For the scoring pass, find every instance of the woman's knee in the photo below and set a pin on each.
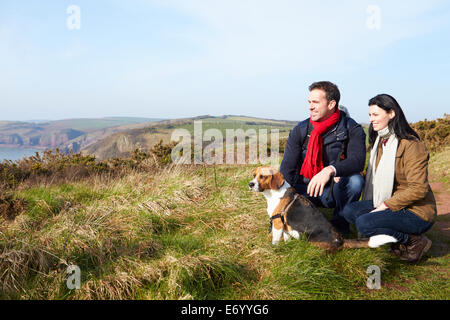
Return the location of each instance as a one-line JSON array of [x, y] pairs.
[[351, 211], [364, 225]]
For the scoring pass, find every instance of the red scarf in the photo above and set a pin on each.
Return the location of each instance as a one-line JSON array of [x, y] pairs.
[[312, 163]]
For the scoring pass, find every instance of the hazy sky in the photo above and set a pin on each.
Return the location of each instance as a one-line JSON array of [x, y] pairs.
[[182, 58]]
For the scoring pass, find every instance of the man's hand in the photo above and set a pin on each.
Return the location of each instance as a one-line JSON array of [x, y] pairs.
[[318, 182]]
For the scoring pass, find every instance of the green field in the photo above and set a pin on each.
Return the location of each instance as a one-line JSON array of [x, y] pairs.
[[186, 233]]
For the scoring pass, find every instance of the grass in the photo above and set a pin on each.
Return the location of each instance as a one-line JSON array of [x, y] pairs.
[[172, 234]]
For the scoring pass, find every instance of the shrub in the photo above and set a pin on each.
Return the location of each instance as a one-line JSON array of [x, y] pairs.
[[10, 207], [435, 133], [163, 152], [49, 163]]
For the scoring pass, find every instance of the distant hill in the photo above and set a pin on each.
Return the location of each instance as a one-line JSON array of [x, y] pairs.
[[65, 134], [120, 144], [118, 136]]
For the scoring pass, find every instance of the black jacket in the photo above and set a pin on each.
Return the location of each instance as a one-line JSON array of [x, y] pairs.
[[347, 135]]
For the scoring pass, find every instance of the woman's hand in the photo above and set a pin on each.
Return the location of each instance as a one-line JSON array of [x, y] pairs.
[[381, 207]]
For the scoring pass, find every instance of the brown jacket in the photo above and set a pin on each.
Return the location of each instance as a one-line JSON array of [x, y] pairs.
[[411, 189]]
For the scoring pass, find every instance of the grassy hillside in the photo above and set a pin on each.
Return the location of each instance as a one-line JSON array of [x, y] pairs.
[[122, 143], [89, 125], [140, 229], [182, 232]]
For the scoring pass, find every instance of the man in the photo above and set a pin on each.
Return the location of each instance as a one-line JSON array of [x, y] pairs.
[[326, 151]]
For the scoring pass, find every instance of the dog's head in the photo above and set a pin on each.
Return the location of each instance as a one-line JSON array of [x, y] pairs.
[[265, 178]]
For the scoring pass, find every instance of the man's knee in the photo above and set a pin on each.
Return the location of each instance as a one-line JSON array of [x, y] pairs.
[[355, 184], [349, 189]]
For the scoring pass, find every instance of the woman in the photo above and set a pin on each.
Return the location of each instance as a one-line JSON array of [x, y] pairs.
[[398, 205]]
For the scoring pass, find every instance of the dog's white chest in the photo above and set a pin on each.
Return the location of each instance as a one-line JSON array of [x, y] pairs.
[[272, 203], [273, 197]]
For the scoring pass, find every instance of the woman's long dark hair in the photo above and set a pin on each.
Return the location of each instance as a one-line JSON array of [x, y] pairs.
[[398, 124]]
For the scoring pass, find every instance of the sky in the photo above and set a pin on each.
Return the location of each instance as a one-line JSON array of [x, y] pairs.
[[184, 58]]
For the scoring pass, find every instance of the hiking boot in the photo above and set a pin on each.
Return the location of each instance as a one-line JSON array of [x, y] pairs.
[[415, 247], [397, 249]]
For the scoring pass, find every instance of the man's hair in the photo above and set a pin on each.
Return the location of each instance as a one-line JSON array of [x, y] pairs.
[[331, 90]]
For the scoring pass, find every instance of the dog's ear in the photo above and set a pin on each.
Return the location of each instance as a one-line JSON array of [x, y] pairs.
[[277, 181]]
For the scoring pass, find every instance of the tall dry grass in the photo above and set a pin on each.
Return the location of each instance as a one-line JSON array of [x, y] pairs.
[[144, 230]]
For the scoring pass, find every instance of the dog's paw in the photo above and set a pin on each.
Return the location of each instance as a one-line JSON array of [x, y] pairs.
[[276, 235], [294, 234]]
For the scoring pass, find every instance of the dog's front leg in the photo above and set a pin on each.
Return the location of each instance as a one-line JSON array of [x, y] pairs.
[[276, 235], [286, 235]]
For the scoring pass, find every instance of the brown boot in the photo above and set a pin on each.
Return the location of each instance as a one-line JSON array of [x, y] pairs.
[[397, 249], [415, 247]]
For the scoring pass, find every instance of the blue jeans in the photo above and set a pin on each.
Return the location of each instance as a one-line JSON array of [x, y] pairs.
[[346, 191], [397, 224]]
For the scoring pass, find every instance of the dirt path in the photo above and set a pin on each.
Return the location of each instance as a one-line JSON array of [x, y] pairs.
[[443, 206], [442, 198]]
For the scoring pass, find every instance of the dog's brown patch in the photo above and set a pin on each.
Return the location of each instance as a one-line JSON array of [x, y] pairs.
[[278, 223], [268, 178], [277, 181]]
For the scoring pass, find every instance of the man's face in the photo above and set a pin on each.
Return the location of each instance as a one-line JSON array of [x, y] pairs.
[[319, 108]]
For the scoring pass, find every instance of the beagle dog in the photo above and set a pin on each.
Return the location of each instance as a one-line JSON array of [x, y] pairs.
[[292, 214]]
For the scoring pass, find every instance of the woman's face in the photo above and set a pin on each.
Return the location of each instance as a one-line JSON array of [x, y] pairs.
[[379, 118]]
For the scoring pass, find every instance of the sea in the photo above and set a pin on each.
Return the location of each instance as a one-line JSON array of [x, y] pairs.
[[16, 153]]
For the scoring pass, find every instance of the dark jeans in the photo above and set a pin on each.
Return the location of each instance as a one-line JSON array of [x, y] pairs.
[[346, 191], [393, 223]]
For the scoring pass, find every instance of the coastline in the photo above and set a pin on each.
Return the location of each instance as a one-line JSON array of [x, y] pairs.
[[12, 153], [15, 146]]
